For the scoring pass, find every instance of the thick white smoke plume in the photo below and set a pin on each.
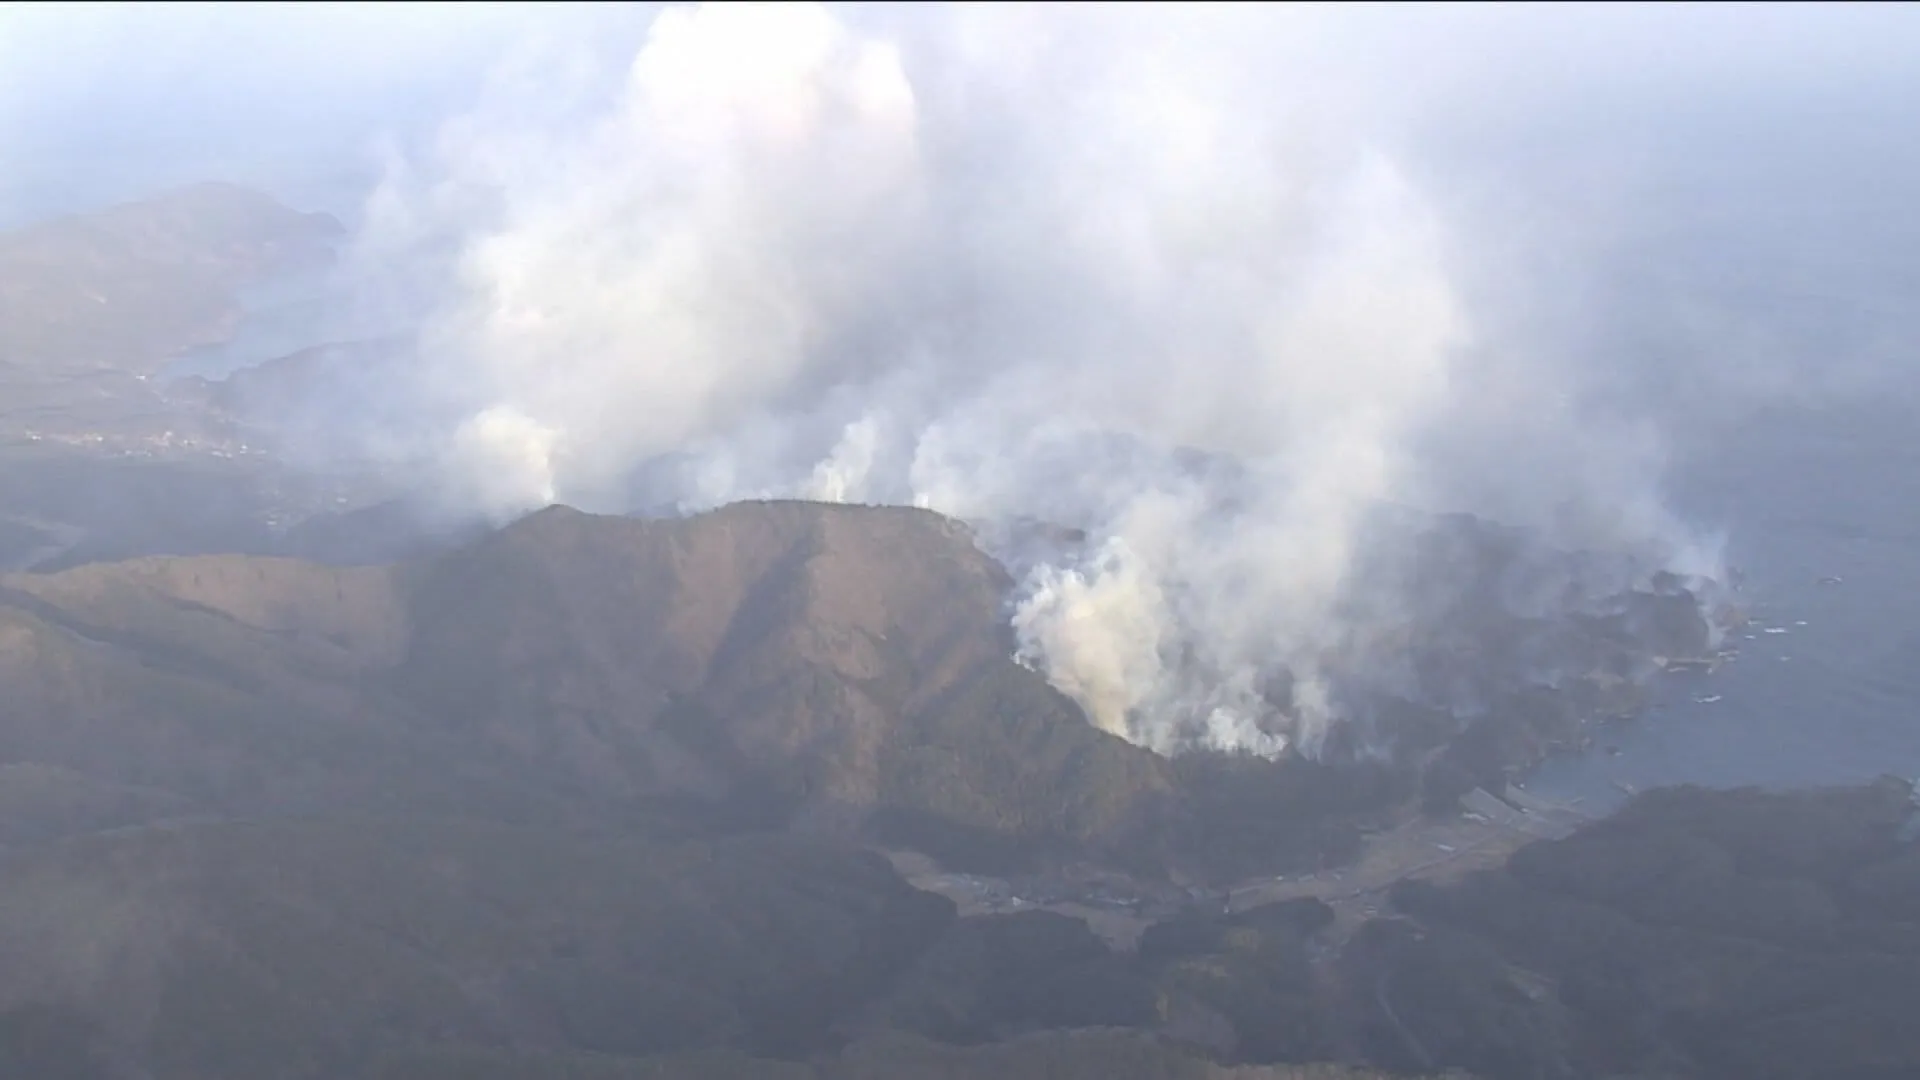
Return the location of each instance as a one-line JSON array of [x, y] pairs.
[[1163, 278]]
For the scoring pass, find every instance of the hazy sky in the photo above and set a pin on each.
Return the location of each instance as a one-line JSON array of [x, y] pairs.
[[105, 101], [161, 89], [1674, 131]]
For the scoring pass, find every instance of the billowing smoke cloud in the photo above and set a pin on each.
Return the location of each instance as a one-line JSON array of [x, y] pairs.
[[1165, 278]]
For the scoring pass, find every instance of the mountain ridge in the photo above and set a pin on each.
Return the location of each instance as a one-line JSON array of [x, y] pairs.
[[792, 651]]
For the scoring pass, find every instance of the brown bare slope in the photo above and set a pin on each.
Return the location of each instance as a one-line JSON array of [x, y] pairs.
[[810, 661], [228, 681], [842, 658]]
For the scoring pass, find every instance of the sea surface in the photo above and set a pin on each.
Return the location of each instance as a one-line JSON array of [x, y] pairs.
[[1821, 504], [278, 317]]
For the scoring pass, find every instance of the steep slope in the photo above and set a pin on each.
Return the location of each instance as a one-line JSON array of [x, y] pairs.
[[1713, 934], [233, 683], [773, 663], [834, 663], [234, 950], [837, 658]]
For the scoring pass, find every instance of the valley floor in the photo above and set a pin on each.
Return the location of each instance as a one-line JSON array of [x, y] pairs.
[[1119, 908]]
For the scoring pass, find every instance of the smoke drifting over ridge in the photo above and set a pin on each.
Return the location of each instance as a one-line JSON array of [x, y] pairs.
[[1151, 276]]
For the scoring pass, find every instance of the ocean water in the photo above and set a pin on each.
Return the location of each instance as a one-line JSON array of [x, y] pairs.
[[278, 317], [1826, 686]]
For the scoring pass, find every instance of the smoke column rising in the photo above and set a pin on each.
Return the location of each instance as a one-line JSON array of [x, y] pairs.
[[1159, 276]]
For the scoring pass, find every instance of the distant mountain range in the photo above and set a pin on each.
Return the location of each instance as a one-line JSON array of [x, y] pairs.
[[126, 288]]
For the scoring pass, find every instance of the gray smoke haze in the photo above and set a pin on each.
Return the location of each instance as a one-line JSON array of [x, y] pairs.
[[101, 102], [963, 266], [1216, 285]]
